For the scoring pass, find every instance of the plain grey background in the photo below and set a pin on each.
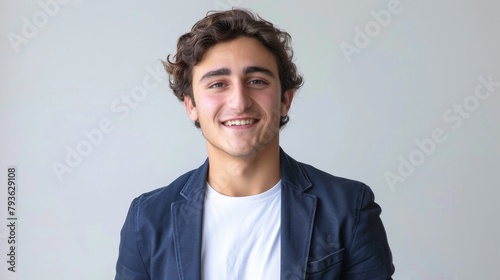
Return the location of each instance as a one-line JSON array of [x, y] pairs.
[[406, 94]]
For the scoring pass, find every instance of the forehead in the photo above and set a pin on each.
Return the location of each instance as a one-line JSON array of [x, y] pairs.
[[236, 55]]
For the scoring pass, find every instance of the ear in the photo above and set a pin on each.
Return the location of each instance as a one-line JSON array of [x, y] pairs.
[[287, 102], [190, 108]]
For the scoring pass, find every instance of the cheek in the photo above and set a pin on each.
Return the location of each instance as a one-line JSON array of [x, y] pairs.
[[209, 105]]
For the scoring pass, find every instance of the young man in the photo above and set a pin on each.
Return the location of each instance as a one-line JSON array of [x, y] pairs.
[[250, 211]]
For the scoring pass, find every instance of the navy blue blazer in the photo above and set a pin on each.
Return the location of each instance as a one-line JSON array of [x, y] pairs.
[[330, 229]]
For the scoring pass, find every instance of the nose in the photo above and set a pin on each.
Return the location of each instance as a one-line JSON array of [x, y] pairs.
[[239, 99]]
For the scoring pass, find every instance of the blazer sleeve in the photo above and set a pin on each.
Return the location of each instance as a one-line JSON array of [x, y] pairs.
[[130, 264], [369, 256]]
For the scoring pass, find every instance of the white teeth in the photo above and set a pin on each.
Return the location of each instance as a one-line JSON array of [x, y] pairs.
[[239, 122]]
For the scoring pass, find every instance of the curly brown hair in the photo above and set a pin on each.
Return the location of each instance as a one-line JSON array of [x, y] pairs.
[[224, 26]]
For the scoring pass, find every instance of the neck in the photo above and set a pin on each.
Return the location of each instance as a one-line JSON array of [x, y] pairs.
[[233, 176]]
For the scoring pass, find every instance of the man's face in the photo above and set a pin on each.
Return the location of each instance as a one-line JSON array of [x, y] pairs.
[[237, 93]]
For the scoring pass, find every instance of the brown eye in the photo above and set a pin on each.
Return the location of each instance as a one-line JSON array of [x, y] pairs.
[[216, 85], [257, 82]]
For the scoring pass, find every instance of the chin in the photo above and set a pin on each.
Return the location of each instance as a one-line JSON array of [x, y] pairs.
[[248, 151], [242, 152]]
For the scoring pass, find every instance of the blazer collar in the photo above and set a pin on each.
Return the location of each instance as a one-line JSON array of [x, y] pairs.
[[196, 182], [297, 217], [292, 173]]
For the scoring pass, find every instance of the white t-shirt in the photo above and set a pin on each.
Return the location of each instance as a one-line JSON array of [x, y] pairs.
[[241, 236]]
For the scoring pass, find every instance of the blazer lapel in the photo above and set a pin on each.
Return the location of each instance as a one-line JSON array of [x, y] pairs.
[[297, 218], [187, 216]]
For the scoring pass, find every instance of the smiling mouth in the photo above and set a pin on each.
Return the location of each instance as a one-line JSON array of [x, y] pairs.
[[239, 122]]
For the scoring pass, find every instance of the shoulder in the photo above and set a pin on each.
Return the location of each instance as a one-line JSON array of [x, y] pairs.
[[160, 199], [326, 180], [302, 177], [336, 190]]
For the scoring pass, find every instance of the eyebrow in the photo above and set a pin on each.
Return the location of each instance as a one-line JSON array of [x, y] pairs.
[[215, 73], [257, 69], [227, 72]]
